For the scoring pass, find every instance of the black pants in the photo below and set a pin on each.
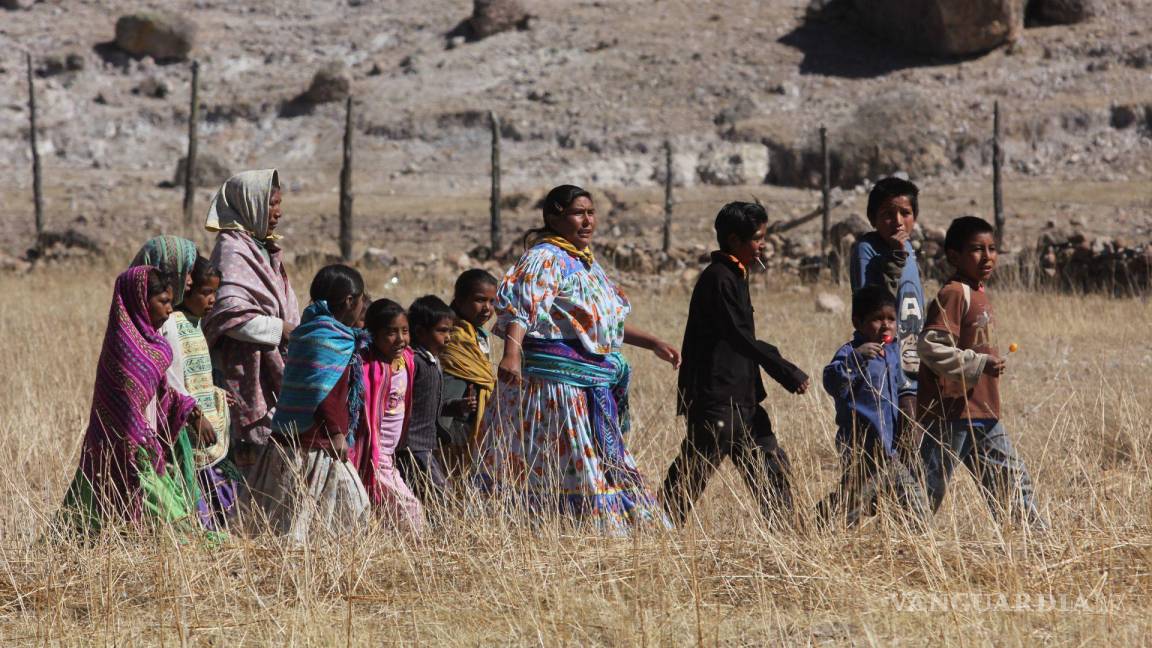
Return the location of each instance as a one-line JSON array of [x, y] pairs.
[[743, 433], [424, 473]]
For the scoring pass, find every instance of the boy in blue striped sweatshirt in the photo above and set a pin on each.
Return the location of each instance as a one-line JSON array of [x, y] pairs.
[[885, 257], [866, 380]]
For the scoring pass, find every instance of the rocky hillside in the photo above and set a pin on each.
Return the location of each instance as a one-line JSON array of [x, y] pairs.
[[586, 91]]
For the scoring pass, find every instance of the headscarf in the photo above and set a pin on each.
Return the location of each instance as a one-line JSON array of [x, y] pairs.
[[321, 350], [171, 255], [242, 204], [129, 374], [462, 358], [254, 283]]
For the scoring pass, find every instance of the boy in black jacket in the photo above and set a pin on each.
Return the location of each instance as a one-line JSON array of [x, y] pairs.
[[720, 386]]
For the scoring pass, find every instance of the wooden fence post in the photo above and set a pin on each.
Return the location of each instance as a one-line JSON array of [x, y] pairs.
[[825, 189], [997, 176], [346, 187], [37, 187], [667, 197], [497, 240], [190, 160]]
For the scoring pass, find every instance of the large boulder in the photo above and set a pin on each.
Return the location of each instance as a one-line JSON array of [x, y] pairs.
[[163, 36], [1061, 12], [944, 27], [733, 164], [494, 16]]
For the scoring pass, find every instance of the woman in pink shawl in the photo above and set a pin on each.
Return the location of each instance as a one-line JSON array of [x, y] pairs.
[[135, 416], [256, 310]]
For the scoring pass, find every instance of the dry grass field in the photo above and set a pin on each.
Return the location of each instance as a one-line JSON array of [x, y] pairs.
[[1077, 399]]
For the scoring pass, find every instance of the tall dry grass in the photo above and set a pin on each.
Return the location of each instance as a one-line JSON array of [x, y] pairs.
[[1076, 401]]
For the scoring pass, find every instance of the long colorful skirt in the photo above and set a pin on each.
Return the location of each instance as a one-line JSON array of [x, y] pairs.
[[539, 453]]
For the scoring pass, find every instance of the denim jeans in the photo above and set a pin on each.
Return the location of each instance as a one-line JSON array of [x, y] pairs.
[[983, 446]]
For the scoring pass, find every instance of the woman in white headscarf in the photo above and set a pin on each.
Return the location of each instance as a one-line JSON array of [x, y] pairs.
[[256, 309]]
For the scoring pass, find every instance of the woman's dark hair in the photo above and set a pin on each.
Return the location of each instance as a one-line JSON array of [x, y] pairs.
[[741, 219], [426, 311], [963, 229], [889, 188], [469, 279], [158, 282], [203, 271], [335, 283], [554, 204], [381, 313], [870, 299]]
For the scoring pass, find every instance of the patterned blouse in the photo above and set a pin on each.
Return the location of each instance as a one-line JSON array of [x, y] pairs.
[[554, 297]]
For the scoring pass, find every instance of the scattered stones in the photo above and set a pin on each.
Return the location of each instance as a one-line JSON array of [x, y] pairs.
[[163, 36], [64, 245], [944, 27], [53, 65], [211, 171], [154, 87]]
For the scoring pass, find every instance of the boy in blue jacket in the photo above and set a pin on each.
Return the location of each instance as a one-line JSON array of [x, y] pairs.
[[885, 257], [866, 381]]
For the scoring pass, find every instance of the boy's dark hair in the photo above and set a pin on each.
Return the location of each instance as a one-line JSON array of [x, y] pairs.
[[426, 311], [739, 218], [870, 299], [963, 229], [469, 279], [158, 282], [203, 271], [381, 313], [889, 188], [335, 283]]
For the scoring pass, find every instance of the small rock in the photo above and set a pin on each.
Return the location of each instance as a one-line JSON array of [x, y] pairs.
[[494, 16], [331, 83], [829, 303], [733, 164], [153, 87], [462, 262], [15, 5], [378, 256], [1125, 116], [163, 36], [211, 171]]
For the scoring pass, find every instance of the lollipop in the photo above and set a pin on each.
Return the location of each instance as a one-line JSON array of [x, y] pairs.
[[1012, 348], [888, 339]]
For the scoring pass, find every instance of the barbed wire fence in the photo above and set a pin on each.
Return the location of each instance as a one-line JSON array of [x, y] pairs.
[[496, 177]]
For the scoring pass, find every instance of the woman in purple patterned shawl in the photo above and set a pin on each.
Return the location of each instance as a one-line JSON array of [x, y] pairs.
[[256, 310], [135, 416]]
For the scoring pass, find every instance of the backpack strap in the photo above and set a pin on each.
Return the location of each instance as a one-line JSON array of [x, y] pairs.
[[967, 298]]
